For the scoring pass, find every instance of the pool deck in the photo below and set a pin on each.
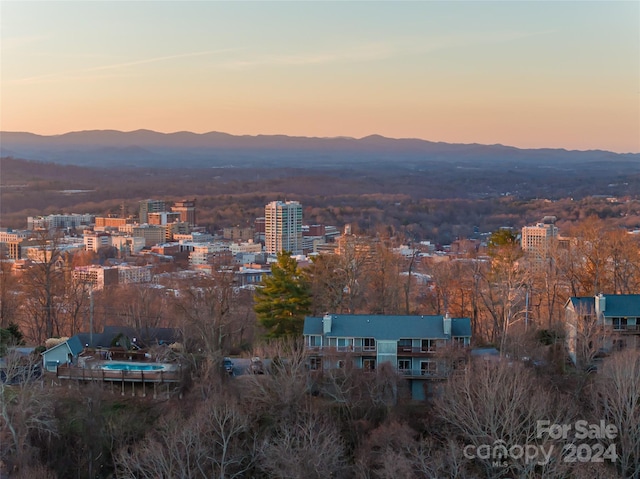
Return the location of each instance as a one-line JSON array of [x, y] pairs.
[[171, 373]]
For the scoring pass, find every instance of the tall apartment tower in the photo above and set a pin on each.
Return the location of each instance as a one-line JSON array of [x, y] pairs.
[[187, 210], [536, 240], [283, 227], [150, 206]]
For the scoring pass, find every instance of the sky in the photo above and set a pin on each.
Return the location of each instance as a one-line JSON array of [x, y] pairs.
[[527, 74]]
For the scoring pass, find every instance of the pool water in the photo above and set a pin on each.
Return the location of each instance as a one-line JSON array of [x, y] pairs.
[[131, 367]]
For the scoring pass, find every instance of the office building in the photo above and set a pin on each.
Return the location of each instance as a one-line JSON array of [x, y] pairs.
[[187, 210], [150, 206]]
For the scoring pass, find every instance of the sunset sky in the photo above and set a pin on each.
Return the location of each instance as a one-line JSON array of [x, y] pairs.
[[527, 74]]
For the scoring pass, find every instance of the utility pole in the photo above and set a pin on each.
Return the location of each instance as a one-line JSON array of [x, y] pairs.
[[91, 316]]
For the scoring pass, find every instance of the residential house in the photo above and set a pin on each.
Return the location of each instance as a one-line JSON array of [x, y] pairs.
[[415, 346], [63, 353], [597, 325]]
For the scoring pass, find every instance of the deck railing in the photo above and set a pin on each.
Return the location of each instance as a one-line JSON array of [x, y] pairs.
[[99, 374]]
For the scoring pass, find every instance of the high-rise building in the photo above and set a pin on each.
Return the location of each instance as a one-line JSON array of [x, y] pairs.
[[187, 210], [150, 206], [283, 227], [536, 240]]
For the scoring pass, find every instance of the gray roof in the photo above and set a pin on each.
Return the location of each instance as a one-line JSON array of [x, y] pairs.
[[145, 337], [389, 328], [616, 305], [485, 352]]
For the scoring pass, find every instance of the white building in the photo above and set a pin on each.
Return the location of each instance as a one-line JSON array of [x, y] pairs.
[[202, 254], [12, 236], [96, 276], [128, 244], [246, 247], [59, 221], [193, 237], [95, 241], [283, 227], [134, 274]]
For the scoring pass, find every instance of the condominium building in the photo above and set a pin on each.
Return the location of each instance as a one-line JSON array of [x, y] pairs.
[[283, 227]]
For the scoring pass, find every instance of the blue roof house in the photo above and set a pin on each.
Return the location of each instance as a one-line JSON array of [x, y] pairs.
[[410, 344], [601, 324], [62, 353]]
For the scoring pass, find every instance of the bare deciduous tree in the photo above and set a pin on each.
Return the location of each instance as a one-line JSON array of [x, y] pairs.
[[25, 410], [495, 403], [617, 401], [395, 450], [44, 283], [310, 447], [213, 441]]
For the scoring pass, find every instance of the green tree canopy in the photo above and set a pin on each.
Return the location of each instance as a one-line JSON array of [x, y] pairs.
[[502, 237], [283, 299]]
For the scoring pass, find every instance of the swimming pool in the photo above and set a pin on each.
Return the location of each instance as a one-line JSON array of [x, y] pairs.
[[116, 366]]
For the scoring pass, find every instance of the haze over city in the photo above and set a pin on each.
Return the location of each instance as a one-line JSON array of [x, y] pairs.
[[526, 74]]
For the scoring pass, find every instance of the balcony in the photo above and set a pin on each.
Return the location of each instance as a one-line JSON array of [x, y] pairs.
[[364, 350], [625, 328], [421, 373], [414, 351]]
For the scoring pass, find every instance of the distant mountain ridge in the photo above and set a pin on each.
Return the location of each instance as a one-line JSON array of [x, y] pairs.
[[146, 148]]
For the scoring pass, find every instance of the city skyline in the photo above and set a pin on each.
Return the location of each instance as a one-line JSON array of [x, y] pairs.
[[525, 74]]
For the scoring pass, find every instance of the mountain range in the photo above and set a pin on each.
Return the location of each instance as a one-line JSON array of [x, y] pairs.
[[146, 148]]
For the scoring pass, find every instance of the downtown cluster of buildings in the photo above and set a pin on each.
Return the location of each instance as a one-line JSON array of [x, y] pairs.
[[164, 233]]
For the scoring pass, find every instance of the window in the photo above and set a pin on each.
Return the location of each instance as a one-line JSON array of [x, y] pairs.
[[429, 346], [404, 345], [619, 324], [315, 363], [428, 368], [369, 344], [459, 341], [345, 344], [341, 363], [404, 366], [369, 364], [314, 341]]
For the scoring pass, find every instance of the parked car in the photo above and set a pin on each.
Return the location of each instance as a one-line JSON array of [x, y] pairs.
[[228, 366], [256, 366]]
